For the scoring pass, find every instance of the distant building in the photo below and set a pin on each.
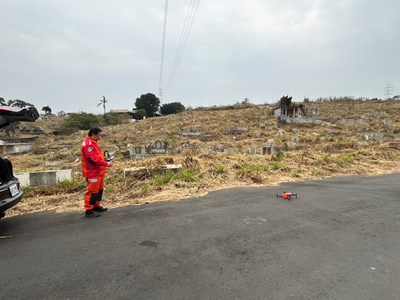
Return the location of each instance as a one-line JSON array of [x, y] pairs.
[[122, 111], [291, 111], [130, 112]]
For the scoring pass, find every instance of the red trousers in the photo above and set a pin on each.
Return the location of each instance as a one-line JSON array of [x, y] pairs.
[[94, 192]]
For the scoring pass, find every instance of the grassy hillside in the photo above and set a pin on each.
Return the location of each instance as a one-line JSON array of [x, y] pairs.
[[223, 150]]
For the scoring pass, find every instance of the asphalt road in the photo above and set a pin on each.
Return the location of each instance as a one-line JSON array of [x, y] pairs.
[[339, 240]]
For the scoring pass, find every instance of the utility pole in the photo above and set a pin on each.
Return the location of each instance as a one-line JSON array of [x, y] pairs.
[[388, 91]]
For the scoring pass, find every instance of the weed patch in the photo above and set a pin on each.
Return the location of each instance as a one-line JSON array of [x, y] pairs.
[[344, 160], [71, 186], [250, 169], [296, 173], [187, 175], [277, 165], [145, 190], [220, 170], [163, 178], [63, 187]]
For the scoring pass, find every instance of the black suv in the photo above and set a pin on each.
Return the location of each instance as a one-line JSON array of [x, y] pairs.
[[10, 193]]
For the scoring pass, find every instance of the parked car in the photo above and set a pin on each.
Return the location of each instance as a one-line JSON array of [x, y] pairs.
[[10, 192]]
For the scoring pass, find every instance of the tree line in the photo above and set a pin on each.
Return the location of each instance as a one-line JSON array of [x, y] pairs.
[[14, 103], [147, 105]]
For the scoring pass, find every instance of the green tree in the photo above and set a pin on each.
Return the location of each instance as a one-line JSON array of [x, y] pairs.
[[148, 102], [140, 114], [172, 108], [285, 101], [2, 101], [46, 109]]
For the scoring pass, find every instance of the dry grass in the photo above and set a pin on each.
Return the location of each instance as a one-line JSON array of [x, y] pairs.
[[321, 151]]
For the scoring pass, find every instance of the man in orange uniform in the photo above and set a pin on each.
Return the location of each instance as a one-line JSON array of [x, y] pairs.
[[94, 167]]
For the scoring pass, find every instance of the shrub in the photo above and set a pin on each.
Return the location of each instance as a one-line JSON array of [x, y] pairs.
[[71, 186], [345, 159], [172, 108], [65, 186], [140, 114], [296, 173], [277, 165], [322, 158], [145, 190], [164, 178], [188, 176], [249, 169], [115, 119], [220, 170], [85, 121], [113, 182], [79, 121]]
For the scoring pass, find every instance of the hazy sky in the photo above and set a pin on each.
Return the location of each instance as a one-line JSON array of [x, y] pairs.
[[67, 54]]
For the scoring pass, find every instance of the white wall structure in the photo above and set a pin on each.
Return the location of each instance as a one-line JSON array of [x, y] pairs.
[[49, 178]]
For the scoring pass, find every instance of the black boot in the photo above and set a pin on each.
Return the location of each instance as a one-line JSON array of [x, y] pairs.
[[100, 209], [92, 214]]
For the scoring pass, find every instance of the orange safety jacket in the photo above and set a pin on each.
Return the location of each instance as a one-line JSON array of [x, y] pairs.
[[93, 162]]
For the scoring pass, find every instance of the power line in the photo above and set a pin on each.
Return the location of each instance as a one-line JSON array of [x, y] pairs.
[[190, 15], [182, 38], [163, 47]]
